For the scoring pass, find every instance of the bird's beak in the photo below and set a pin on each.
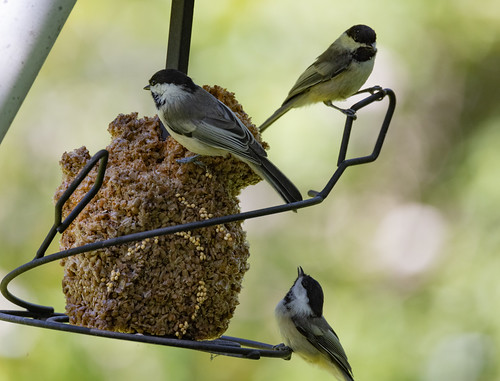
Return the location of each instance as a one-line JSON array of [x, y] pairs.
[[300, 271], [147, 87]]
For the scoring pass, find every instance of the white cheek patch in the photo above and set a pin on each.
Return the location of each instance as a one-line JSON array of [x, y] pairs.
[[300, 304], [169, 93], [348, 43]]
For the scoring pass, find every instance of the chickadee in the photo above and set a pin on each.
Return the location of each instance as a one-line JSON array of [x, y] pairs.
[[206, 126], [305, 330], [337, 74]]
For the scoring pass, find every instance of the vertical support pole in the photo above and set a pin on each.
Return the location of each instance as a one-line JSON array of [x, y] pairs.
[[179, 36]]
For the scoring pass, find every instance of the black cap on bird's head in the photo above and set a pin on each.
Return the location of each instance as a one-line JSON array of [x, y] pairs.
[[314, 292], [171, 76], [362, 34]]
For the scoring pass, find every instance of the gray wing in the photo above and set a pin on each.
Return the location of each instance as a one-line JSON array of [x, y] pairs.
[[212, 123], [328, 65], [219, 127], [324, 338], [222, 129]]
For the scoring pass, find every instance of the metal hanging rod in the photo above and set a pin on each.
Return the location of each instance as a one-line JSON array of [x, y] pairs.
[[179, 35]]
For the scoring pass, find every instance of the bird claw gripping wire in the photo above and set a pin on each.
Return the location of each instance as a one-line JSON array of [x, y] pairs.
[[45, 317], [372, 90], [350, 112], [346, 111], [283, 347]]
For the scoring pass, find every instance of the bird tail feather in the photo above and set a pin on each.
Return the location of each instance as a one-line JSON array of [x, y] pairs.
[[273, 118], [269, 172]]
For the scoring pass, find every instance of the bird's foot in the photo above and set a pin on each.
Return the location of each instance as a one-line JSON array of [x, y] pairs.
[[191, 159], [349, 112], [371, 90], [283, 347]]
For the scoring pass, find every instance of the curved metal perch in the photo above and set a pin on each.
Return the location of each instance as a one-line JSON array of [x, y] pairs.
[[45, 317]]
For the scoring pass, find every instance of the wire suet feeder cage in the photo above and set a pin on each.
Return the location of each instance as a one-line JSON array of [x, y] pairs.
[[45, 316]]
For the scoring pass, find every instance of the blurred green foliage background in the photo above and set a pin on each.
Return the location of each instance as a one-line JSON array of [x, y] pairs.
[[406, 248]]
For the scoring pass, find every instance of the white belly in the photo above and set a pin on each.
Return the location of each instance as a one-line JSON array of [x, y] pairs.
[[194, 145], [340, 87]]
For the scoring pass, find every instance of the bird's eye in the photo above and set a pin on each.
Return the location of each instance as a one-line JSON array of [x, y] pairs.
[[152, 82]]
